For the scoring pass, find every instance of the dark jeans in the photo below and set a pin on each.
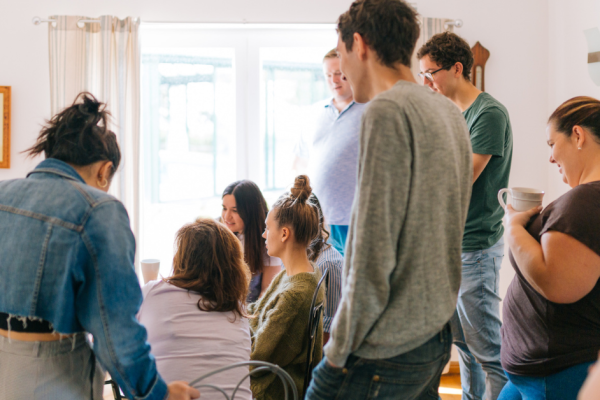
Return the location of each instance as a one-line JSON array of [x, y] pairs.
[[412, 375]]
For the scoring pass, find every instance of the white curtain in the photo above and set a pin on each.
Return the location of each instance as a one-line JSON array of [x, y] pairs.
[[104, 59], [429, 27]]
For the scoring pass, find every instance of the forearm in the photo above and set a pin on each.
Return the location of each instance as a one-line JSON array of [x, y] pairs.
[[529, 256]]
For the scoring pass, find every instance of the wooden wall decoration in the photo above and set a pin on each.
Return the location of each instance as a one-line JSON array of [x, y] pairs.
[[5, 127], [480, 55]]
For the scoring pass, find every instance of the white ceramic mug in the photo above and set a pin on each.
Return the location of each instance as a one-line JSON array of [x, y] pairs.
[[523, 199], [150, 268]]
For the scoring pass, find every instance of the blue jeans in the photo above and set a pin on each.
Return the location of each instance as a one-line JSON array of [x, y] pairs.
[[412, 375], [563, 385], [338, 236], [476, 324]]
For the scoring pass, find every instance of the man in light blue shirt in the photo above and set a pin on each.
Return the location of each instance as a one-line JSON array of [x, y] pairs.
[[331, 152]]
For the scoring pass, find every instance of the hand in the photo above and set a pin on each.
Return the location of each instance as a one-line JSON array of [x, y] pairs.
[[179, 390], [516, 218]]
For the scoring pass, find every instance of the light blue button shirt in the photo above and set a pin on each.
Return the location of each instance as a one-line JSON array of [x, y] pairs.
[[332, 153]]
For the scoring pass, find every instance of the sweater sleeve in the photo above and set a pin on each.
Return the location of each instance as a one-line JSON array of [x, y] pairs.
[[384, 178], [274, 341]]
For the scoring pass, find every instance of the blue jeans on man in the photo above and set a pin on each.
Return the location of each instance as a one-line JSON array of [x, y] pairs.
[[476, 324], [412, 375], [338, 236]]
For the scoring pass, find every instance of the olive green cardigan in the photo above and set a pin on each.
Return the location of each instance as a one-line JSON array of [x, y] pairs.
[[279, 331]]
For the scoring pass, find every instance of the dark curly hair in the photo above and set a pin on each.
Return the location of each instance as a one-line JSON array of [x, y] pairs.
[[79, 135], [389, 27], [446, 49]]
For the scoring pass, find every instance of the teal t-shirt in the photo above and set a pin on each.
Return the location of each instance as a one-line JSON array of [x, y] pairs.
[[489, 126]]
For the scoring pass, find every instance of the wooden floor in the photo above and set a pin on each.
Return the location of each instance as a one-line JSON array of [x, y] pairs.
[[450, 383]]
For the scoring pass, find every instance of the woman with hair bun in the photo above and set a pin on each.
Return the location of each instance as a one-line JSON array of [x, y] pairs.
[[551, 324], [279, 329], [67, 269]]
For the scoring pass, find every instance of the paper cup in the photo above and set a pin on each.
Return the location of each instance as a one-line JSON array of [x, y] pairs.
[[150, 268]]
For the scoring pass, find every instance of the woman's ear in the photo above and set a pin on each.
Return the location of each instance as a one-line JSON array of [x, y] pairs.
[[579, 136], [105, 171], [285, 234]]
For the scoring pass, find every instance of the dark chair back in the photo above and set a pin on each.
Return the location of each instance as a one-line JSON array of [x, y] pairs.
[[316, 312]]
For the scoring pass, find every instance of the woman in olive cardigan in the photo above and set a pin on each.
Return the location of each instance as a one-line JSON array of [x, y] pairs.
[[280, 327]]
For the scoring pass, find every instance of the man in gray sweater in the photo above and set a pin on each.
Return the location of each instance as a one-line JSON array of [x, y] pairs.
[[391, 337]]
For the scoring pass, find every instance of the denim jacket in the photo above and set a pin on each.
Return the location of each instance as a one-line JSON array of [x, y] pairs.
[[66, 256]]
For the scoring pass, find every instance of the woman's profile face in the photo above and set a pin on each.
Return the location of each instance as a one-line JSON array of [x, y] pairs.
[[230, 216], [273, 235], [564, 153]]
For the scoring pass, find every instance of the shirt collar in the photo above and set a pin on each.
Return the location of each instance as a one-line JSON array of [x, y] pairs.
[[57, 167], [335, 110]]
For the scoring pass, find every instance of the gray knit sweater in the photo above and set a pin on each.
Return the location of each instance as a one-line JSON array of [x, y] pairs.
[[279, 331], [402, 265]]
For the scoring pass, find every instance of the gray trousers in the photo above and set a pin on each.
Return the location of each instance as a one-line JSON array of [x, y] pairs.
[[60, 370]]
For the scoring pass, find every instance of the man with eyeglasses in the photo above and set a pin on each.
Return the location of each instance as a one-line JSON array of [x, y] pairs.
[[331, 152], [445, 62]]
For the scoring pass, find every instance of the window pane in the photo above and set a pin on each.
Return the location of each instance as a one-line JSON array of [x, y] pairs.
[[188, 131], [292, 82]]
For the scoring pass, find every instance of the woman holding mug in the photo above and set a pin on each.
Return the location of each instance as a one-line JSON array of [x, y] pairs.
[[551, 324], [244, 213], [67, 269]]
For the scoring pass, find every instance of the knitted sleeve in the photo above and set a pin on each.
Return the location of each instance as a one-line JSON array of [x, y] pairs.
[[274, 341]]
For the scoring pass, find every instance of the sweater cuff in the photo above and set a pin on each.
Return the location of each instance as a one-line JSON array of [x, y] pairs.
[[334, 356]]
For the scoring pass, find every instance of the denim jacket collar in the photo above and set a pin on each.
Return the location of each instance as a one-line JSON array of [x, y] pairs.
[[57, 167]]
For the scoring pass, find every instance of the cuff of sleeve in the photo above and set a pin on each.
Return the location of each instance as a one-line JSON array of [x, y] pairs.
[[158, 391], [334, 357]]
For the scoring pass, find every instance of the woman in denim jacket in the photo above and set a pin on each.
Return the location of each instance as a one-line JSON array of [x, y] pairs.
[[66, 268]]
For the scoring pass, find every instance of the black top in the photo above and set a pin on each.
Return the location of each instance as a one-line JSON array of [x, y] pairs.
[[539, 337], [30, 325]]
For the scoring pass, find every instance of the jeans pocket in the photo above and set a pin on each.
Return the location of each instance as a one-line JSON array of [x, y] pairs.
[[326, 382]]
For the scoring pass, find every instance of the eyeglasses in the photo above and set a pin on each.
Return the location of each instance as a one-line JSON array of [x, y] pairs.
[[429, 75]]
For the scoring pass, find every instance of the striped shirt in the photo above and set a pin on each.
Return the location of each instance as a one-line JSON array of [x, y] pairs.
[[332, 259]]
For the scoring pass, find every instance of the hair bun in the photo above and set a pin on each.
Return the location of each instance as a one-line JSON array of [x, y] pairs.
[[90, 105], [301, 189]]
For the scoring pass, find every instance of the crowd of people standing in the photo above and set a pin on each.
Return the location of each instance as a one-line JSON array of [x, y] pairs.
[[398, 205]]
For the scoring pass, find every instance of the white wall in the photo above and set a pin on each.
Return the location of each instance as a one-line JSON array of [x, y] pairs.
[[568, 71]]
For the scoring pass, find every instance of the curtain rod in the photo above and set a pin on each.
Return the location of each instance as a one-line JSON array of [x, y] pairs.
[[81, 23]]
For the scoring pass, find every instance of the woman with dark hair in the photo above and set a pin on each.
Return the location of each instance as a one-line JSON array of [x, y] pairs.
[[244, 213], [280, 326], [326, 257], [196, 319], [551, 324], [67, 269]]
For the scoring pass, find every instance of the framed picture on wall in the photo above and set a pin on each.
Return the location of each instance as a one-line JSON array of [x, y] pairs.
[[5, 127]]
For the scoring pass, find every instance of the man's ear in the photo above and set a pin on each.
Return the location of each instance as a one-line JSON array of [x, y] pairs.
[[359, 46], [457, 70]]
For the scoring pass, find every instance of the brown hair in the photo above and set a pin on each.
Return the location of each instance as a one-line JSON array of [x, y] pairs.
[[320, 242], [295, 211], [330, 54], [446, 49], [389, 27], [79, 135], [209, 261], [583, 111]]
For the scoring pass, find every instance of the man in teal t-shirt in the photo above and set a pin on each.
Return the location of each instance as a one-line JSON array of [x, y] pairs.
[[445, 62]]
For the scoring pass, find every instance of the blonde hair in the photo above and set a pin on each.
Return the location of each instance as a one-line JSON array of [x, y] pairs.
[[331, 54]]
